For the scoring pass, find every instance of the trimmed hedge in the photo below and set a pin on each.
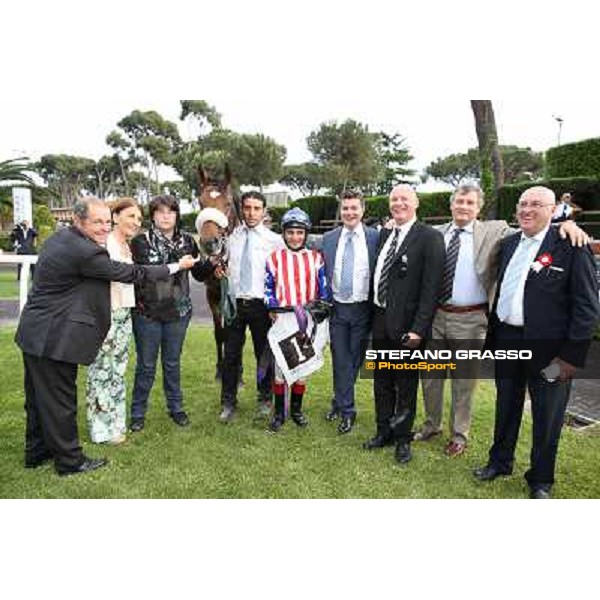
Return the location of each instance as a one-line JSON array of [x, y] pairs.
[[319, 208], [433, 204], [581, 159], [585, 193]]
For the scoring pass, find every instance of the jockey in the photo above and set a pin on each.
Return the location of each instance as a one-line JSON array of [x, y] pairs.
[[295, 277]]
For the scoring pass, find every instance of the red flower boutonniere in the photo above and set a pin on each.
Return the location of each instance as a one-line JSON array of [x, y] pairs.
[[542, 261]]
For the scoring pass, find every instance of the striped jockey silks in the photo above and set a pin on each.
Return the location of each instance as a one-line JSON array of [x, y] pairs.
[[295, 278]]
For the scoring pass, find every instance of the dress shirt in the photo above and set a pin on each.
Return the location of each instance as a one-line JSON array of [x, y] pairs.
[[516, 317], [404, 229], [466, 289], [262, 244], [361, 275]]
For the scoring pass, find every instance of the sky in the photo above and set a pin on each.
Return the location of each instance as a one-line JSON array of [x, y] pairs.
[[284, 73]]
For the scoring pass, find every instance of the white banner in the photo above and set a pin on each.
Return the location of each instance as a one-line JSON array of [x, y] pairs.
[[22, 205], [294, 353]]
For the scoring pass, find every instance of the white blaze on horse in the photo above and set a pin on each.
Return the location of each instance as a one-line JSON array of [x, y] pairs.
[[218, 217]]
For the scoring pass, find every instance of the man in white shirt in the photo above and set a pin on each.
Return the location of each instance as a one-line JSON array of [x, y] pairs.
[[406, 285], [350, 252], [250, 245], [547, 303], [472, 250]]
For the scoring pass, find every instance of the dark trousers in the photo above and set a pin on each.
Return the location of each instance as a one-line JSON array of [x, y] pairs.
[[252, 314], [395, 391], [548, 406], [150, 337], [51, 411], [349, 329]]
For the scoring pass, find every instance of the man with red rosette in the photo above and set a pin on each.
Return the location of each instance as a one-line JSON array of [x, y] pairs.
[[546, 301]]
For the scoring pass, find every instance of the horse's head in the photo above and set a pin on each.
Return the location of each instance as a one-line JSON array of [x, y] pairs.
[[218, 215]]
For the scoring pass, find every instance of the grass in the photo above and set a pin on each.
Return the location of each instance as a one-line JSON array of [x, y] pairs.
[[9, 285], [209, 460]]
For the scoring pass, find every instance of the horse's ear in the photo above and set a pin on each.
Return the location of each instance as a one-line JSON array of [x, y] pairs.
[[202, 177], [228, 176]]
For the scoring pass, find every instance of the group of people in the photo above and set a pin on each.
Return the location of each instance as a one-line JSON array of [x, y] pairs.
[[409, 283]]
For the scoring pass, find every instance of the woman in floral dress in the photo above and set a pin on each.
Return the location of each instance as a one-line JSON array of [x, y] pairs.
[[105, 390]]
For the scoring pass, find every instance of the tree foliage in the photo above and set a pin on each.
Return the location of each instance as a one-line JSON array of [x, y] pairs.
[[519, 164], [393, 156], [347, 154]]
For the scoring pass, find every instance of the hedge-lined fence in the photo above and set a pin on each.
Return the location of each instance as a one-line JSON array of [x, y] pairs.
[[580, 159]]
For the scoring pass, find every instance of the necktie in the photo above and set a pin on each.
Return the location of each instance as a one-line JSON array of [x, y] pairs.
[[382, 289], [346, 281], [450, 266], [512, 277], [246, 266]]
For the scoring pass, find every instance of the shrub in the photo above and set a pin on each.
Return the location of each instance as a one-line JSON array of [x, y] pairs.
[[433, 204], [319, 208], [581, 159]]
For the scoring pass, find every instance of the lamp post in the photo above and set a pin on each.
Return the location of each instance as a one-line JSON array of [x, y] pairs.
[[559, 120]]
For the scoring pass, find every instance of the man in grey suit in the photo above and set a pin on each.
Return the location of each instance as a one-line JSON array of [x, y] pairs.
[[63, 325], [471, 265], [350, 253]]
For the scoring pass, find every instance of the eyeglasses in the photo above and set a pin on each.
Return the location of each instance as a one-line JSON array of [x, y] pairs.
[[534, 205]]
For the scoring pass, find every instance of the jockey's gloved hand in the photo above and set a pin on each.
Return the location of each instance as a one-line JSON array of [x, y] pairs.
[[319, 310]]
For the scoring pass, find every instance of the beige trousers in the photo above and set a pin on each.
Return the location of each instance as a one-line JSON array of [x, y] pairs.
[[447, 328]]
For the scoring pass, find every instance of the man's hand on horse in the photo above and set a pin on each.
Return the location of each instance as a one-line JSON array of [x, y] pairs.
[[220, 271], [187, 262]]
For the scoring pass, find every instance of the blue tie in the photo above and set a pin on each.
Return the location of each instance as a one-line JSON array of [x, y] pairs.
[[246, 267], [347, 277]]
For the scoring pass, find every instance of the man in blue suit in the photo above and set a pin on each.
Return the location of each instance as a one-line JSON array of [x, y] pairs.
[[546, 302], [350, 253]]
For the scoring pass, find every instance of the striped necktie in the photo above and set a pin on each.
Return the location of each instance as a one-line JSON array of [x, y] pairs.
[[450, 266], [383, 286]]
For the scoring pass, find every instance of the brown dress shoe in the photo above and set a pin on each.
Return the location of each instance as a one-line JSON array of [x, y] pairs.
[[454, 449]]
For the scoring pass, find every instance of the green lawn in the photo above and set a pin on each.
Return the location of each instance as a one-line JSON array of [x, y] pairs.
[[9, 286], [210, 460]]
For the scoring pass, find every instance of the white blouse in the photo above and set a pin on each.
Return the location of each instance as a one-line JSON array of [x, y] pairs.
[[122, 295]]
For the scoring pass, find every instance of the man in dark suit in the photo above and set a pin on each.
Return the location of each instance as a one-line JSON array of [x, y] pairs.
[[406, 285], [350, 252], [63, 325], [546, 302]]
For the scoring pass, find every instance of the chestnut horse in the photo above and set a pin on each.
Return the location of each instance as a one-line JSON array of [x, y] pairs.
[[218, 217]]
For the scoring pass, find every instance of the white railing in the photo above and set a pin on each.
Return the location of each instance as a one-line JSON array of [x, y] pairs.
[[25, 260]]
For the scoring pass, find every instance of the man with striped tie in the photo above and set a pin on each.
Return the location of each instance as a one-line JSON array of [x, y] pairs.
[[547, 302], [406, 285], [472, 250]]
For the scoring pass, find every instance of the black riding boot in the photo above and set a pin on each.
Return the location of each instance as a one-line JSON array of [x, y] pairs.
[[279, 415], [296, 405]]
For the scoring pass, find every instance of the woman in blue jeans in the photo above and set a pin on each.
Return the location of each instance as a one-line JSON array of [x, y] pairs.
[[163, 310]]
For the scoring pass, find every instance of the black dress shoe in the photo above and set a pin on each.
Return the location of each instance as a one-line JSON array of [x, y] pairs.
[[332, 415], [540, 493], [489, 473], [180, 418], [89, 464], [379, 441], [346, 424], [34, 463], [403, 454], [136, 425]]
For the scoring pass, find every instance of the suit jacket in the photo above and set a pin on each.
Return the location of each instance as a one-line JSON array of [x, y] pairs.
[[487, 236], [67, 315], [329, 250], [414, 280], [559, 307]]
